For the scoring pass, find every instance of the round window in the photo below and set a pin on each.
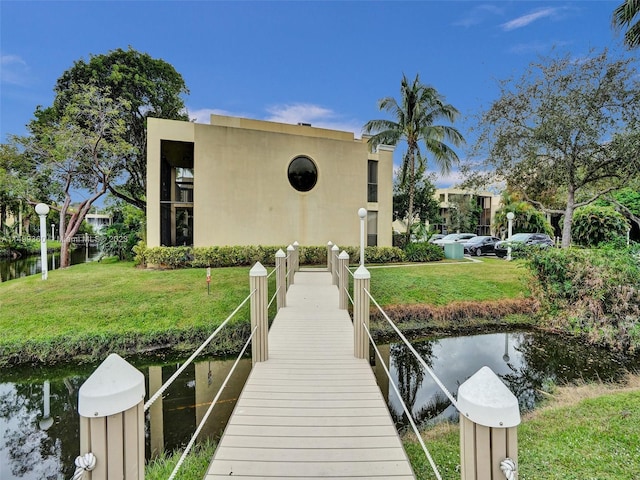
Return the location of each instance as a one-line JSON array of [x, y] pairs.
[[303, 174]]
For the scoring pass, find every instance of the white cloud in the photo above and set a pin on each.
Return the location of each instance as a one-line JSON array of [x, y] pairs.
[[316, 115], [203, 115], [446, 181], [529, 18], [14, 70], [477, 15]]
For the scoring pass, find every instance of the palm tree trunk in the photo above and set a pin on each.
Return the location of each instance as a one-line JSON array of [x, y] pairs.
[[412, 192]]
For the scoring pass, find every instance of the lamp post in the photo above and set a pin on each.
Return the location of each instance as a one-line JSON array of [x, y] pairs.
[[42, 210], [53, 231], [362, 213], [510, 217]]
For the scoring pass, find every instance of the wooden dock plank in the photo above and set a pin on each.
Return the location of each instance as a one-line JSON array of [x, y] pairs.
[[312, 410]]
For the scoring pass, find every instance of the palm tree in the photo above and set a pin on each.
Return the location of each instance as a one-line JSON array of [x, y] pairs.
[[420, 106], [623, 16]]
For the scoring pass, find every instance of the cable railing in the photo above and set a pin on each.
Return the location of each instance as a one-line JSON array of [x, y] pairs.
[[404, 407], [414, 352], [187, 449], [197, 352], [116, 388], [489, 412]]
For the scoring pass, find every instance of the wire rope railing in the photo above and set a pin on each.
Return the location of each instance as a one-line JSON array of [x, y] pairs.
[[210, 409], [404, 407], [195, 354], [414, 352]]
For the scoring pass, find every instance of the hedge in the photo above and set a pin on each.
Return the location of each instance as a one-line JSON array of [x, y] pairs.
[[233, 256]]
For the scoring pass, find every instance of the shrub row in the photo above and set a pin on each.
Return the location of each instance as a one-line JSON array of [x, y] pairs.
[[595, 293], [232, 256]]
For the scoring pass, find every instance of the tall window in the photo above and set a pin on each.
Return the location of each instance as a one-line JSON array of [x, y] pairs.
[[372, 229], [372, 181], [176, 193]]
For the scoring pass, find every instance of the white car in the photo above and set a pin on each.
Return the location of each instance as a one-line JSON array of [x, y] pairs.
[[454, 238]]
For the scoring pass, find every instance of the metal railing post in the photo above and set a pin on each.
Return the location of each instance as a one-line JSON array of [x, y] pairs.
[[334, 264], [489, 417], [296, 256], [290, 265], [259, 315], [343, 275], [361, 281], [329, 245], [281, 279], [111, 408]]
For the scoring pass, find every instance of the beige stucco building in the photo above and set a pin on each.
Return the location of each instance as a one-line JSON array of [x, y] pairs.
[[239, 181]]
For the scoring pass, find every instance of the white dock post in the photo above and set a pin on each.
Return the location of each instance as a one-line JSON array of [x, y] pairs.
[[361, 303], [334, 264], [111, 408], [329, 245], [296, 256], [343, 279], [489, 416], [259, 313], [281, 279], [291, 269]]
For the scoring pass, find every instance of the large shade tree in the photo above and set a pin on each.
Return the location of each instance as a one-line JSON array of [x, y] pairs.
[[150, 87], [415, 116], [624, 16], [563, 134], [84, 148]]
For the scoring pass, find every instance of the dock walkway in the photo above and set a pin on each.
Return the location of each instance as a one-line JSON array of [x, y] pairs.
[[312, 410]]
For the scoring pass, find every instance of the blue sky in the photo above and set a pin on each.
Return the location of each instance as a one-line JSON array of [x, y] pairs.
[[325, 63]]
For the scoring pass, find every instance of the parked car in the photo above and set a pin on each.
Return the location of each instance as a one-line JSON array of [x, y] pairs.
[[520, 240], [436, 236], [480, 244], [454, 238]]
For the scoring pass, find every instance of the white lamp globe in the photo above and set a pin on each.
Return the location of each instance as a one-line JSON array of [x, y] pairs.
[[42, 209]]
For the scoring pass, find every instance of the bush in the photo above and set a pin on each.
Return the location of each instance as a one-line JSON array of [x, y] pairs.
[[594, 225], [590, 292], [233, 256], [423, 252]]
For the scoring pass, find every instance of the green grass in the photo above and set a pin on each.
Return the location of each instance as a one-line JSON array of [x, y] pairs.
[[194, 467], [87, 310], [597, 438], [442, 283]]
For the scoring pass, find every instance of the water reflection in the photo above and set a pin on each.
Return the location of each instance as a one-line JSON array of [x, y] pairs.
[[40, 424], [11, 269], [526, 362]]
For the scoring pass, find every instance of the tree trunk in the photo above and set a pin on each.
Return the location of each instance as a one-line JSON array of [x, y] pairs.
[[568, 218], [412, 175]]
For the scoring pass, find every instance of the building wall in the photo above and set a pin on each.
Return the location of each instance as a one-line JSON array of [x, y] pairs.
[[242, 194]]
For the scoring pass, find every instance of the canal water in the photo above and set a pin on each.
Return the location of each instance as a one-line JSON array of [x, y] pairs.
[[11, 269], [38, 407]]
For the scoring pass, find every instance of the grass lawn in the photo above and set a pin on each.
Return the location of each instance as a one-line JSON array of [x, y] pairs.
[[587, 432], [443, 283], [86, 310]]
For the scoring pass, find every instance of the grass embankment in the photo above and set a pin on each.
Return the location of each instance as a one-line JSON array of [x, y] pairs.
[[581, 433], [447, 298], [89, 310]]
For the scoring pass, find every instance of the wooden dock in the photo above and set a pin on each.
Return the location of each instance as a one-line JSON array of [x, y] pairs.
[[312, 410]]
